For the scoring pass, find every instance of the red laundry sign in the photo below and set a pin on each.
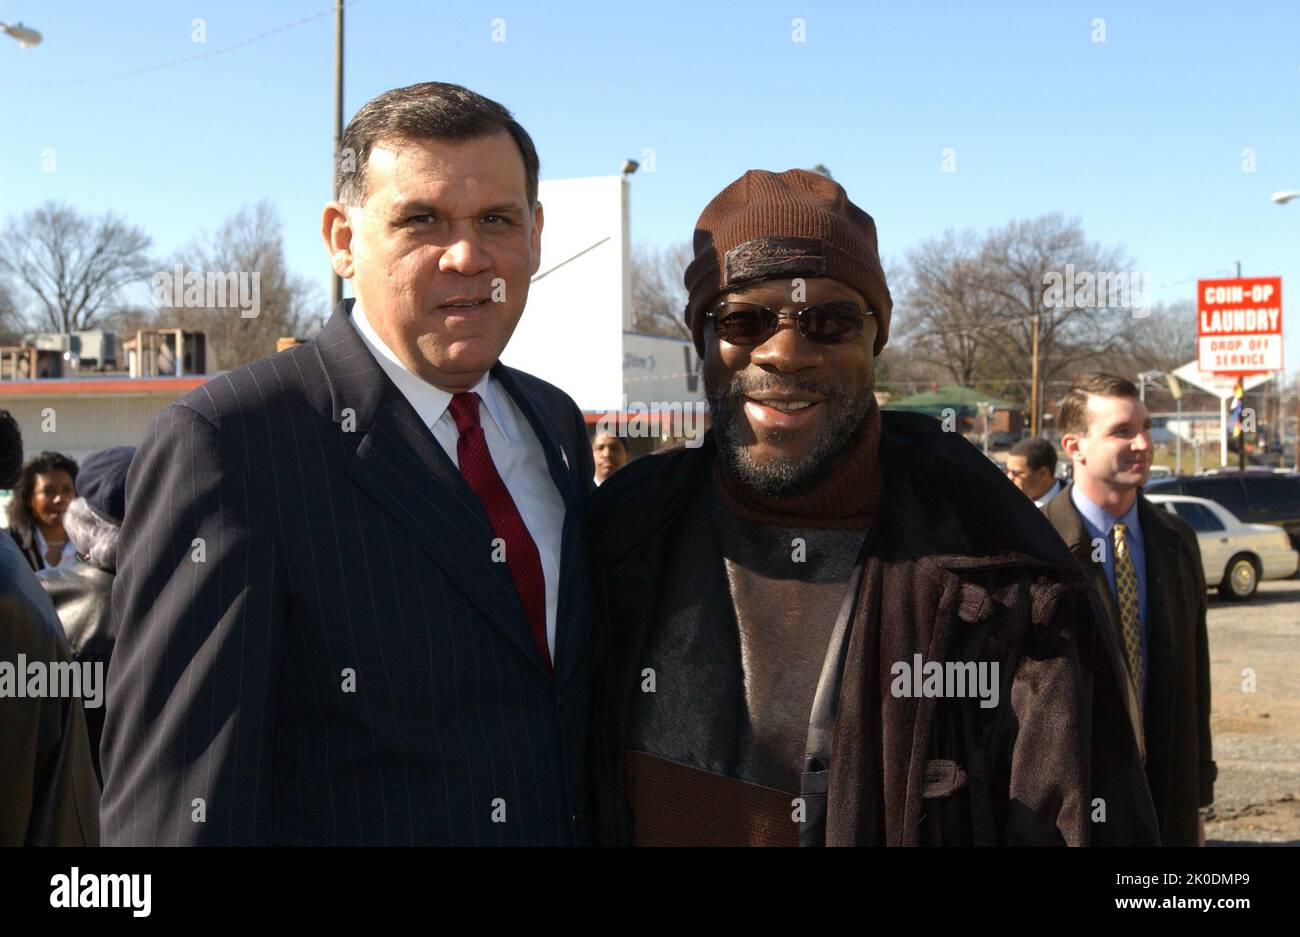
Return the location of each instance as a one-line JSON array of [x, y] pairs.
[[1239, 325]]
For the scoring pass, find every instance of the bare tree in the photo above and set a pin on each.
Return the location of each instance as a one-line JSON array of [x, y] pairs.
[[944, 308], [1021, 260], [658, 290], [124, 321], [1162, 341], [11, 322], [248, 243], [970, 305], [74, 265]]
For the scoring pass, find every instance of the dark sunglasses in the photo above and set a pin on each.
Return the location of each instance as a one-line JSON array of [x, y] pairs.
[[828, 323]]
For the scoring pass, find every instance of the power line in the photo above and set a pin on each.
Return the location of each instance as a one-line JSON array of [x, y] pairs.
[[145, 69]]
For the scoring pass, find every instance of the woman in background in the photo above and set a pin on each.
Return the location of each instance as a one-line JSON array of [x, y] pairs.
[[45, 489], [82, 590]]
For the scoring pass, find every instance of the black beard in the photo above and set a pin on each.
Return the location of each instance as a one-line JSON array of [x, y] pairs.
[[781, 477]]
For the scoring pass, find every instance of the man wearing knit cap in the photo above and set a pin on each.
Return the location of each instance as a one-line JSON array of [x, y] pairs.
[[829, 625]]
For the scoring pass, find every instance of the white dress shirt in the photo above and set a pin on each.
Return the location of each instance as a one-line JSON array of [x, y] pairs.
[[1049, 494], [69, 551], [519, 457]]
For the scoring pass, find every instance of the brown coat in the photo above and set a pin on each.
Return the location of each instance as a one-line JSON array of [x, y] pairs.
[[1176, 722], [962, 567]]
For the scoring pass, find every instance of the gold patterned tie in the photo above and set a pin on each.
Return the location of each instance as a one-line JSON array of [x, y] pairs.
[[1126, 595]]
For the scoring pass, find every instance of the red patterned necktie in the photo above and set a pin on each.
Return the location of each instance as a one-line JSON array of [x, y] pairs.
[[521, 552]]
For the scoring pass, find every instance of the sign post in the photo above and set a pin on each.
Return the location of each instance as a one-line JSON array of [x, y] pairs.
[[1221, 387]]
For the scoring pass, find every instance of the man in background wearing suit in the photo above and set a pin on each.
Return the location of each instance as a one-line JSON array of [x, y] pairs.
[[353, 598], [1031, 467], [1145, 564]]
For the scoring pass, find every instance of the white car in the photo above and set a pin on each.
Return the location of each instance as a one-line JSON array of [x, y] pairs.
[[1236, 556]]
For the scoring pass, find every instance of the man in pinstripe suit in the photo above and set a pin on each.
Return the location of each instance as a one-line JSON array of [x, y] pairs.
[[353, 600]]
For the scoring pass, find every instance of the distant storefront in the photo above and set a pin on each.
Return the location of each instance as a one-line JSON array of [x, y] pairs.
[[79, 416]]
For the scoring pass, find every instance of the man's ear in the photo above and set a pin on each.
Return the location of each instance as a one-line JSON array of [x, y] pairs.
[[336, 228], [535, 241], [1070, 443]]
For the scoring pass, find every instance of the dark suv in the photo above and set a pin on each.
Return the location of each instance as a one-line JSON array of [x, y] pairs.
[[1255, 497]]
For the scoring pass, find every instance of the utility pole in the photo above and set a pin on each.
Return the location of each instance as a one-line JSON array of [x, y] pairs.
[[1033, 389], [338, 123], [1241, 441]]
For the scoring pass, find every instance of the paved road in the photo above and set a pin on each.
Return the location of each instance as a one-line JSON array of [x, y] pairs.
[[1256, 734]]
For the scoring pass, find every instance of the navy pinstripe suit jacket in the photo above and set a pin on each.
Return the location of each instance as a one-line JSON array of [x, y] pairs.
[[314, 645]]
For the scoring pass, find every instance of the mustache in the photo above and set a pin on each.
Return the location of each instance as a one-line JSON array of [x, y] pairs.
[[743, 385]]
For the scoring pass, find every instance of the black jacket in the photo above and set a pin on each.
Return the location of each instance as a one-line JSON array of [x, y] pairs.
[[82, 595], [314, 643], [962, 566], [1176, 719], [24, 537], [48, 792]]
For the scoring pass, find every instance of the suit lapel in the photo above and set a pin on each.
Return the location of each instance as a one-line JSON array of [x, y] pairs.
[[1076, 538], [572, 616], [394, 457]]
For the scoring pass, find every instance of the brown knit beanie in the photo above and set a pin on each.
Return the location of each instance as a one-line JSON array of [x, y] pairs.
[[769, 225]]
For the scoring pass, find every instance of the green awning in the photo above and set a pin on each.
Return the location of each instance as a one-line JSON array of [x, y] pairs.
[[964, 401]]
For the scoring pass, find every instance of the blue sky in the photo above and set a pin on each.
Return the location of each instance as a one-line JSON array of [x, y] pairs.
[[1141, 136]]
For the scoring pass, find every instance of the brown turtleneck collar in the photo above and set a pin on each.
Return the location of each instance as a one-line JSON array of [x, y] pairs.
[[845, 500]]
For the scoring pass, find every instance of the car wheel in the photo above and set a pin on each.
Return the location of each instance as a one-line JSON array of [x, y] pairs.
[[1240, 579]]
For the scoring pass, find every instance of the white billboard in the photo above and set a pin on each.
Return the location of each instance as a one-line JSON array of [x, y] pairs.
[[658, 368], [571, 333], [1218, 385]]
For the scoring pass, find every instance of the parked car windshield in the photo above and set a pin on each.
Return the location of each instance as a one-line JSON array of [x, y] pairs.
[[1226, 491]]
